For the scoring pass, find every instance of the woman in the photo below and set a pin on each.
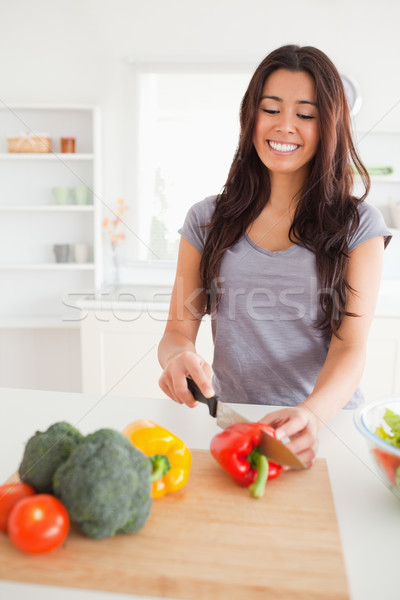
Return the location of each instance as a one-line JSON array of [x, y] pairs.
[[286, 260]]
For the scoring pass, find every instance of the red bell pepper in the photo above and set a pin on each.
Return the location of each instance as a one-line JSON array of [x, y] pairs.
[[236, 450]]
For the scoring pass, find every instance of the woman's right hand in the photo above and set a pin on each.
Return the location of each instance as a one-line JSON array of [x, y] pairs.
[[182, 365]]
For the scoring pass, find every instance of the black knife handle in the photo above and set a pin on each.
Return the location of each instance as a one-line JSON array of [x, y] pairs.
[[200, 397]]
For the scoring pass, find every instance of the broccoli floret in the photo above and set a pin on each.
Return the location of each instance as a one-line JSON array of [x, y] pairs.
[[45, 452], [105, 485]]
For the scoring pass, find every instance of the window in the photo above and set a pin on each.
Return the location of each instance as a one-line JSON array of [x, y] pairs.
[[188, 127]]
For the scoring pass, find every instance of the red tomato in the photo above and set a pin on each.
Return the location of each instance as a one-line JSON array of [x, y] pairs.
[[388, 462], [10, 494], [38, 524]]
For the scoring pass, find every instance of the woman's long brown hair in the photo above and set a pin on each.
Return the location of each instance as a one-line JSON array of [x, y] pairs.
[[326, 215]]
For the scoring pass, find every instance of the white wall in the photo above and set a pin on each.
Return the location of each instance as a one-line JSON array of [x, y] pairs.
[[76, 51]]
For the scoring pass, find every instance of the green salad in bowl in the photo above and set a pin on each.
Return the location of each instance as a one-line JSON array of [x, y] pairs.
[[379, 422]]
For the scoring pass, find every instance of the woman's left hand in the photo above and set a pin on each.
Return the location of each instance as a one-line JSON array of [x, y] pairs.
[[301, 426]]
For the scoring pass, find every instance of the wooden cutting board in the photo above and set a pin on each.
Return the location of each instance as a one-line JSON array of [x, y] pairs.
[[210, 540]]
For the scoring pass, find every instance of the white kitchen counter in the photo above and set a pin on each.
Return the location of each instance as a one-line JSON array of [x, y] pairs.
[[368, 514]]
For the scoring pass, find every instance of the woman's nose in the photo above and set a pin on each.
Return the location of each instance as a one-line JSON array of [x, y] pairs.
[[285, 123]]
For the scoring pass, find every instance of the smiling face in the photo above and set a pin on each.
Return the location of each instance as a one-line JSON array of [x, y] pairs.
[[286, 134]]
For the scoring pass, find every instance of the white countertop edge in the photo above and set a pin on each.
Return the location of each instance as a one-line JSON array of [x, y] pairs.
[[388, 303], [136, 306]]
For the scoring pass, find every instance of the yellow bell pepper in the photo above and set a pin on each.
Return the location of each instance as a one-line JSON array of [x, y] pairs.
[[171, 458]]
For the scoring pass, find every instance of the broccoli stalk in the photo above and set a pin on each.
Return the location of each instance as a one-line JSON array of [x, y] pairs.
[[105, 485], [45, 452], [161, 466]]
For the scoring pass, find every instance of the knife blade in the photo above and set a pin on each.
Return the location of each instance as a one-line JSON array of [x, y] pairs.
[[272, 448]]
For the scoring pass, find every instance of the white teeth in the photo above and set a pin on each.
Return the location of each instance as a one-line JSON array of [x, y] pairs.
[[283, 147]]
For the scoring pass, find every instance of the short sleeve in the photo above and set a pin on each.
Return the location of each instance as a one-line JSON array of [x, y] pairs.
[[372, 224], [194, 227]]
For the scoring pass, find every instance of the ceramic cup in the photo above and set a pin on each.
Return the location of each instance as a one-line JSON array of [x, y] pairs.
[[61, 252], [81, 252], [67, 144], [61, 194], [81, 194]]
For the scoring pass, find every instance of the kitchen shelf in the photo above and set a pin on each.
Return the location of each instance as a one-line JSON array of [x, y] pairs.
[[393, 178], [385, 178], [49, 208], [47, 267], [32, 223], [45, 156]]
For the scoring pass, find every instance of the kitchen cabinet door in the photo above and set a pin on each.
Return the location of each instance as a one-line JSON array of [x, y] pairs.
[[119, 352]]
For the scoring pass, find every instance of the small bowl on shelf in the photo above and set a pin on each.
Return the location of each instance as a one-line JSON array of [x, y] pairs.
[[385, 456]]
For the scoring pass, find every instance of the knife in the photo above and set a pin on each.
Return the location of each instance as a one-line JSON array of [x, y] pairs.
[[272, 448]]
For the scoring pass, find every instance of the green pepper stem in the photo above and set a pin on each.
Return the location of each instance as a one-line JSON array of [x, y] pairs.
[[161, 466], [259, 462]]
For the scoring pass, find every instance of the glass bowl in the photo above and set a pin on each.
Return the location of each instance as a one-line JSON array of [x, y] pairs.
[[385, 456]]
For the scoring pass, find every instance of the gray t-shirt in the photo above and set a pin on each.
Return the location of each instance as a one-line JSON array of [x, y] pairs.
[[267, 349]]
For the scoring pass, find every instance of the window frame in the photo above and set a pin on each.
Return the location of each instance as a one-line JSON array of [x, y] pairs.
[[148, 272]]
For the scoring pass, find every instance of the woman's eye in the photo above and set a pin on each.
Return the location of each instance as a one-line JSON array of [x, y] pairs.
[[270, 111], [306, 117]]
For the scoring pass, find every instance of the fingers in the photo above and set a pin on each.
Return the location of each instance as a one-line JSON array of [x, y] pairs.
[[182, 392], [167, 390], [173, 379], [202, 376], [308, 456], [177, 391], [291, 426], [299, 426], [288, 422], [277, 419], [305, 446]]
